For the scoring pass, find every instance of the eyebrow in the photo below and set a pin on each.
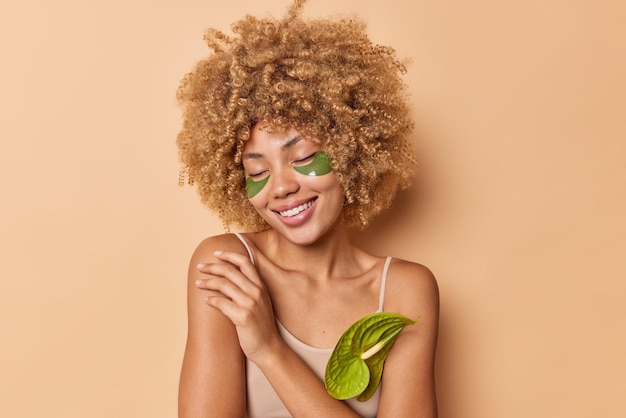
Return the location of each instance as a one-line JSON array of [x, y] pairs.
[[290, 143], [293, 141]]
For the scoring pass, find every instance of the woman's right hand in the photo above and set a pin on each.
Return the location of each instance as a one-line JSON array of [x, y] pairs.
[[237, 290]]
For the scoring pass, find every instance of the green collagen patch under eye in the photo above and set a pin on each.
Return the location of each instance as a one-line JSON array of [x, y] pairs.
[[254, 187], [318, 167]]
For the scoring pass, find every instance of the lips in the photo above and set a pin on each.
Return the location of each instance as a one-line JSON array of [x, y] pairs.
[[291, 210]]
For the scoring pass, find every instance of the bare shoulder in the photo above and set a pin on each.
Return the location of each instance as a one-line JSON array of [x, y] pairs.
[[225, 242], [411, 288], [409, 377], [213, 363], [204, 321]]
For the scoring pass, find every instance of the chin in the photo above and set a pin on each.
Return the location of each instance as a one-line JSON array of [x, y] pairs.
[[309, 235], [311, 228]]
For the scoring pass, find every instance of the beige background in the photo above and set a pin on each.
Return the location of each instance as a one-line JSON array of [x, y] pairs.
[[518, 210]]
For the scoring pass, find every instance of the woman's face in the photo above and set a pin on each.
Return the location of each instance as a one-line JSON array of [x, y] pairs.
[[290, 184]]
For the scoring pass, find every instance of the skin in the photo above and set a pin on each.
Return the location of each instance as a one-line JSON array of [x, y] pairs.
[[315, 281]]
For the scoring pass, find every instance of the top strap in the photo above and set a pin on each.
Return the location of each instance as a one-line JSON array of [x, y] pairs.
[[245, 243], [383, 284], [383, 280]]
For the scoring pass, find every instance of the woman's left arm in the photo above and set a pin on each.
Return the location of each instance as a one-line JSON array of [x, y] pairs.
[[408, 384]]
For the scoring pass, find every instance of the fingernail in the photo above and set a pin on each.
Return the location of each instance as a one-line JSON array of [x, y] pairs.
[[198, 282], [201, 265], [218, 252]]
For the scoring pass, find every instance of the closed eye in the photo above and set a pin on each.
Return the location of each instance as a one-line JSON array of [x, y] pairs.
[[257, 174], [305, 159]]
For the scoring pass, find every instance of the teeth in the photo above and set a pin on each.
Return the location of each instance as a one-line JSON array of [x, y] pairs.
[[297, 210]]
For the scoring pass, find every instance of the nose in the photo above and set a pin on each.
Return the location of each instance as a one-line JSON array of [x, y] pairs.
[[283, 182]]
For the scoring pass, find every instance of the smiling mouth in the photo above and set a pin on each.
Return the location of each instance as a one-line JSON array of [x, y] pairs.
[[294, 211]]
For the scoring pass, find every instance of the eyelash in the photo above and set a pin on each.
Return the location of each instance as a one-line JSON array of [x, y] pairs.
[[253, 175], [308, 157], [305, 158]]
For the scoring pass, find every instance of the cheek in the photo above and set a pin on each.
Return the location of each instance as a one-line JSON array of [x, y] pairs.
[[257, 202], [328, 185]]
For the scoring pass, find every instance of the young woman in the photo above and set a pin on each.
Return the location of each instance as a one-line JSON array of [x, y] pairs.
[[296, 131]]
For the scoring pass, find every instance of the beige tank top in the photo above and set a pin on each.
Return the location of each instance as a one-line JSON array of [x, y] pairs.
[[262, 400]]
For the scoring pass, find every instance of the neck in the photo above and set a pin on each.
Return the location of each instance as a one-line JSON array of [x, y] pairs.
[[331, 256]]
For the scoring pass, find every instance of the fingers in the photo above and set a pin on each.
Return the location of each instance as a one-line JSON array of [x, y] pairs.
[[226, 288], [242, 262], [235, 279], [234, 288], [223, 274], [265, 266], [237, 315], [227, 297]]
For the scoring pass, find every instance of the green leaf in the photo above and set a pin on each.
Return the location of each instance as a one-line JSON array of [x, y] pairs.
[[355, 366], [375, 365]]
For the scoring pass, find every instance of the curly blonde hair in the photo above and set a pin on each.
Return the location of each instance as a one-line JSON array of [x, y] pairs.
[[324, 78]]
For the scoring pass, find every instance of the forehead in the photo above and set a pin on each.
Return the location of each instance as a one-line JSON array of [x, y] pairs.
[[265, 138]]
